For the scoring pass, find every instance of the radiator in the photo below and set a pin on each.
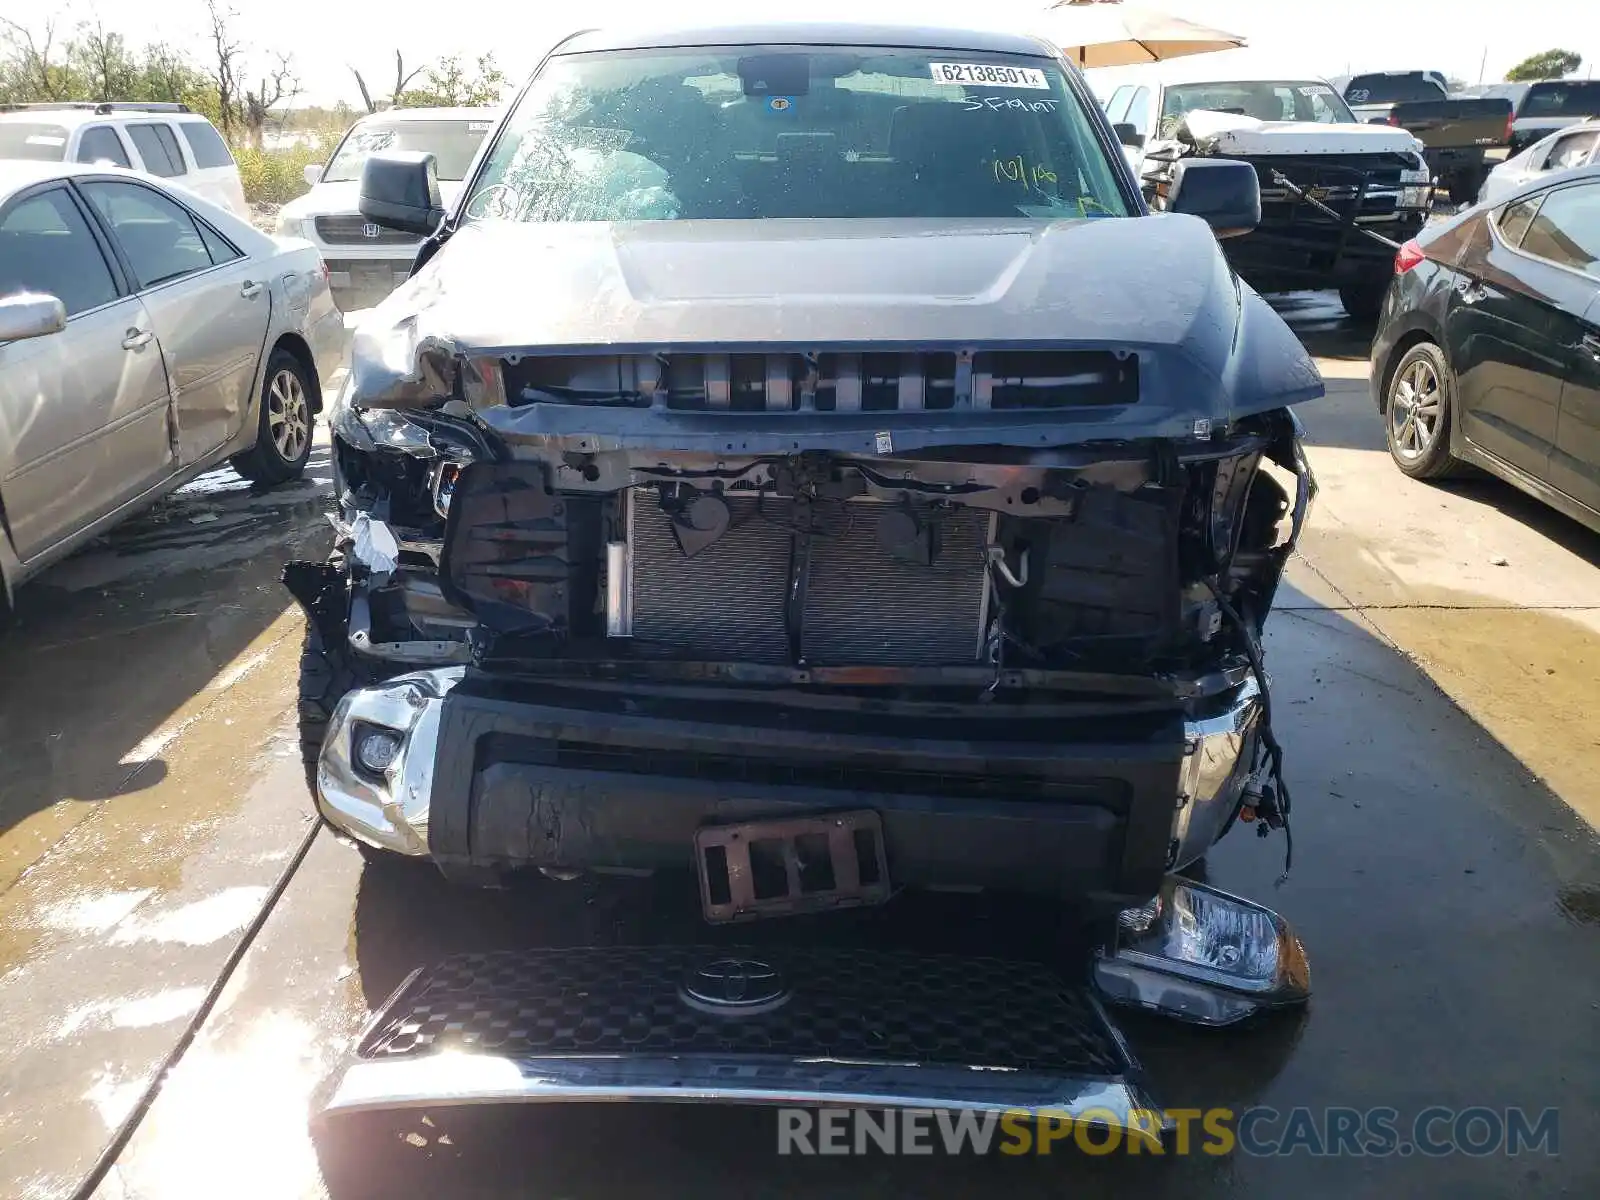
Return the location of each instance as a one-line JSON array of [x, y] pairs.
[[863, 605]]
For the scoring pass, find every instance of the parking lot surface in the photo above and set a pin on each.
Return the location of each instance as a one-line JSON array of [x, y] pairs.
[[1434, 659]]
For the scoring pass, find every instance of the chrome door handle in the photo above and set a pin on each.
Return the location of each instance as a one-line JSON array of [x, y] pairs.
[[136, 338], [1591, 343], [250, 289]]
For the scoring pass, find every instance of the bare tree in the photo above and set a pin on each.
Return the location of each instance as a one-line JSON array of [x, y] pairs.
[[244, 110], [225, 65], [278, 86], [402, 80], [35, 67]]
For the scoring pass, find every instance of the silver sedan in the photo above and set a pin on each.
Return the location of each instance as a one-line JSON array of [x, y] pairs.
[[146, 335]]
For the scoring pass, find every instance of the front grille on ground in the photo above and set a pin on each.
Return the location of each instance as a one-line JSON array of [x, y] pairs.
[[845, 1004], [355, 230], [861, 603]]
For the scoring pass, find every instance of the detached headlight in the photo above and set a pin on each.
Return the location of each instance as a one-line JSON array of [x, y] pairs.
[[1203, 956]]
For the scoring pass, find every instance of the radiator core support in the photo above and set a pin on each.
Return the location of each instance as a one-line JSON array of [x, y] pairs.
[[859, 603]]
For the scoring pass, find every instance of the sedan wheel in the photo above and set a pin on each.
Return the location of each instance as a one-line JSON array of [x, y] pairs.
[[288, 415], [283, 437], [1419, 413]]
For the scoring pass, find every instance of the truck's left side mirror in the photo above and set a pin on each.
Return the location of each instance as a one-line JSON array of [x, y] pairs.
[[1128, 135], [400, 190], [1222, 192]]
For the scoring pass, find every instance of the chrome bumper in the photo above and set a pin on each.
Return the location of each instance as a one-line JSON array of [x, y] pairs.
[[389, 810]]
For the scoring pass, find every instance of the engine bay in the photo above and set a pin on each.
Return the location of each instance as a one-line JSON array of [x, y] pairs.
[[1107, 559]]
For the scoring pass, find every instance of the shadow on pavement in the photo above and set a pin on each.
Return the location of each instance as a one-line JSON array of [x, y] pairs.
[[1322, 325], [110, 643]]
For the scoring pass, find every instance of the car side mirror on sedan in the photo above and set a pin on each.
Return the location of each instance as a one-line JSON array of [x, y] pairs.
[[30, 315], [400, 190], [1222, 192], [1128, 135], [312, 174]]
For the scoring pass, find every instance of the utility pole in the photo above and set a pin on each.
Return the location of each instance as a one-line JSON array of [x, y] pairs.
[[1482, 63]]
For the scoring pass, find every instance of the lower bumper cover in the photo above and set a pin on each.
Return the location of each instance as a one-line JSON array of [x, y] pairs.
[[796, 1026], [482, 782]]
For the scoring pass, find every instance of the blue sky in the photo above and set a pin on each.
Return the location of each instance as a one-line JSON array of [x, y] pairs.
[[1297, 37]]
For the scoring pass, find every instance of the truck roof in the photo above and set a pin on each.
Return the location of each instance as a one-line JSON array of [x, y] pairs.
[[802, 33], [1185, 71]]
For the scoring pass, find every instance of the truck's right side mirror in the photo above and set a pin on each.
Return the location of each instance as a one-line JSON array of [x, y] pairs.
[[400, 190], [1128, 135], [1222, 192]]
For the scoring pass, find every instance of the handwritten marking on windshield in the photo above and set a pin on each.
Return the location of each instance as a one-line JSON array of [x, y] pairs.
[[996, 103], [1017, 170]]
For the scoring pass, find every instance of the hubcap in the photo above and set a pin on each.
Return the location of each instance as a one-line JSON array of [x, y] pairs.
[[1414, 410], [288, 415]]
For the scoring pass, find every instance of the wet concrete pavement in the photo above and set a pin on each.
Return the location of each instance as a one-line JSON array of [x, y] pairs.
[[1437, 712]]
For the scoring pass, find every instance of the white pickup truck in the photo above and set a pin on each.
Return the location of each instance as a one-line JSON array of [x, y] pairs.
[[1373, 177]]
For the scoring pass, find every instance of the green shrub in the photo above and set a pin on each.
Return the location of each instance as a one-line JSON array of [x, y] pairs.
[[278, 176]]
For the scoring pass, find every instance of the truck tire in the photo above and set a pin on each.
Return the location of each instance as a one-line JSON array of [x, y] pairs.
[[325, 676], [1465, 185], [1363, 298]]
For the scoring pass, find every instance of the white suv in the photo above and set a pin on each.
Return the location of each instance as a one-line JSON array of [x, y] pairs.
[[365, 262], [165, 140]]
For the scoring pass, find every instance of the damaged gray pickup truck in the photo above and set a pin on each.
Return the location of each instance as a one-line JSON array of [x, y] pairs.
[[801, 470]]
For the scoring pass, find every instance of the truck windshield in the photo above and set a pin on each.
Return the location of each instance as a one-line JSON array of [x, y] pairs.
[[28, 139], [452, 144], [759, 132], [1391, 89], [1580, 98], [1288, 100]]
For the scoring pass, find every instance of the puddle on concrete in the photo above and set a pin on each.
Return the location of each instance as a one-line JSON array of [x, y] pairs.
[[197, 924], [137, 1013], [1580, 904]]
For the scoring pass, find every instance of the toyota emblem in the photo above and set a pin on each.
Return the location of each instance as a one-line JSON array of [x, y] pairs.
[[734, 986], [370, 230]]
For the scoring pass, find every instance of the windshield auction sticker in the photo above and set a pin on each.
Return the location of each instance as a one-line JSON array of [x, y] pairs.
[[1016, 77]]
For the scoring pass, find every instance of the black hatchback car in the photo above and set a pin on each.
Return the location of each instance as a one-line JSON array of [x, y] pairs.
[[1488, 345]]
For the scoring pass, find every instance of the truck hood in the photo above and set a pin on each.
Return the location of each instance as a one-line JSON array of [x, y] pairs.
[[1155, 287], [1230, 133]]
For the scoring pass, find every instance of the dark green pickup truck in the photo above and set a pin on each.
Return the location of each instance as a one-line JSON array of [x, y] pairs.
[[1457, 132]]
